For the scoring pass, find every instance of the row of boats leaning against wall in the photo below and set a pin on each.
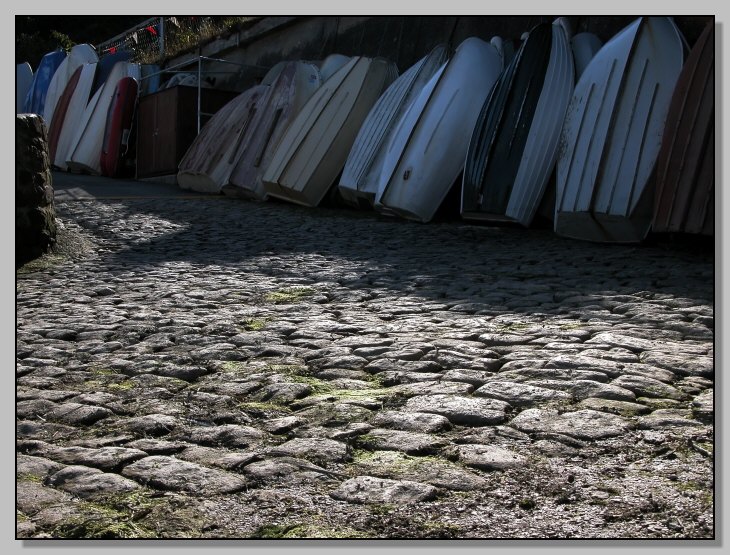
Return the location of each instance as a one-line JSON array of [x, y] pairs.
[[610, 140]]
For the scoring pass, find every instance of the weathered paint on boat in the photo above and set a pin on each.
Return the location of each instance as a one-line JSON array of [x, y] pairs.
[[515, 141], [361, 175], [209, 160], [275, 109], [428, 148], [613, 131], [314, 148], [686, 163]]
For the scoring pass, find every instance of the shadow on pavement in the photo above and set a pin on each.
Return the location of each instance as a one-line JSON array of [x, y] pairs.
[[485, 269]]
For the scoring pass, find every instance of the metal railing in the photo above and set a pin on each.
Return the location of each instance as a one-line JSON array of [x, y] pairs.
[[200, 72]]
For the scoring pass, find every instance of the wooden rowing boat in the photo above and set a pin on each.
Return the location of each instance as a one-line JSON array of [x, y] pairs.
[[685, 191]]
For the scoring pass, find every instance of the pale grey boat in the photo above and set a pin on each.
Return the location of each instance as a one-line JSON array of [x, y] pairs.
[[612, 133], [359, 182], [428, 148], [584, 46], [315, 146]]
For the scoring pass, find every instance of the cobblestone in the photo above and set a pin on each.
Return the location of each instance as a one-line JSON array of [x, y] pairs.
[[215, 368]]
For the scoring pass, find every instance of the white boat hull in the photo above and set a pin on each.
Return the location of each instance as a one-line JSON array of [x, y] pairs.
[[541, 149], [314, 148], [612, 133], [361, 176], [428, 148], [79, 55], [331, 65], [74, 114], [514, 144], [85, 154], [584, 46]]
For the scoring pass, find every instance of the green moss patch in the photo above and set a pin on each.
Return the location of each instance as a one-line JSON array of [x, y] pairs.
[[122, 386], [235, 366], [29, 478], [289, 295], [436, 529], [103, 371], [318, 387]]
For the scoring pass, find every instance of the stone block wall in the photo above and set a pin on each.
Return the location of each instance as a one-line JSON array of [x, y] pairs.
[[35, 217]]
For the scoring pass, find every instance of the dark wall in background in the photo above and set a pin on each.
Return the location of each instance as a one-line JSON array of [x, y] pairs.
[[403, 39]]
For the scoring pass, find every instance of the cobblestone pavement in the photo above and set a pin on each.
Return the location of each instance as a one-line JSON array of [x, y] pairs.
[[217, 368]]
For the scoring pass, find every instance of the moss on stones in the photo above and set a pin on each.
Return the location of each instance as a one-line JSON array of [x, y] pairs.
[[289, 295]]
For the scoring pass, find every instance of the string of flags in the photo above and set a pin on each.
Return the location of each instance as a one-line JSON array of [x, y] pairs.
[[136, 36], [150, 31]]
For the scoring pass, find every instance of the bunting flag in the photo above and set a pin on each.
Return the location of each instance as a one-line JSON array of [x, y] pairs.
[[134, 37], [174, 21], [151, 29]]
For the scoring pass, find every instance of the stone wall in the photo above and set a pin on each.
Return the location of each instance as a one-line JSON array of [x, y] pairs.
[[35, 219]]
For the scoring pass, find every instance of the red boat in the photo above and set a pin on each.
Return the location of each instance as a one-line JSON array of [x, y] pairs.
[[118, 126], [685, 195], [59, 114]]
